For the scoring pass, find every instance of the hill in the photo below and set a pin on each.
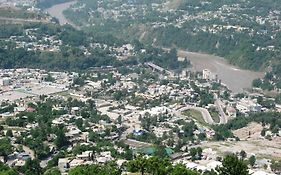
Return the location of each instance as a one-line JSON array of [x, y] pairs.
[[247, 33], [44, 4]]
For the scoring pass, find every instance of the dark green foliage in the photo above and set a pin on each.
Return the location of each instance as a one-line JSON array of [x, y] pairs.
[[109, 168], [31, 167], [5, 147], [231, 165], [252, 160], [5, 170]]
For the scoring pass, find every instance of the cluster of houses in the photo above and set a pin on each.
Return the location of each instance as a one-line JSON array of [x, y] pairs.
[[127, 113], [30, 41]]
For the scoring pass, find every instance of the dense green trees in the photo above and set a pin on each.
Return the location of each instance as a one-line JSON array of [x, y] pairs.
[[5, 147], [157, 166], [71, 56], [231, 165], [5, 170], [109, 168], [32, 167], [61, 139]]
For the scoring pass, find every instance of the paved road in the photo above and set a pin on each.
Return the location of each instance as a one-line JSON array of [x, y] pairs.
[[205, 113], [24, 20], [222, 115]]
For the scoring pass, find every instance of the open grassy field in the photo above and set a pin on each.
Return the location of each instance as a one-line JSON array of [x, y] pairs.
[[196, 115]]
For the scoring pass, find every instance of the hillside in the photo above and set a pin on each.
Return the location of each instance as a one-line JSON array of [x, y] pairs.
[[44, 4], [247, 33]]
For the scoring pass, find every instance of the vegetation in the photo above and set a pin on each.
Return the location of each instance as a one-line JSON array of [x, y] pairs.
[[71, 55], [247, 48], [267, 118], [44, 4], [5, 170], [232, 165], [195, 114]]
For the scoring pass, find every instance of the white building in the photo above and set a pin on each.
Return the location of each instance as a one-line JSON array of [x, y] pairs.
[[248, 105], [208, 75]]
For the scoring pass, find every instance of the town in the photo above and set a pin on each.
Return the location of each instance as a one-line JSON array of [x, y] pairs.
[[113, 87], [125, 111]]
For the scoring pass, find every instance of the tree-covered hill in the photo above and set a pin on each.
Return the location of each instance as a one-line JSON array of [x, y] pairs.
[[247, 33], [55, 47], [48, 3]]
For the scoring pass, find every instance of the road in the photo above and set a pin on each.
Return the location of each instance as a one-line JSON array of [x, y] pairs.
[[205, 113], [222, 115], [24, 20]]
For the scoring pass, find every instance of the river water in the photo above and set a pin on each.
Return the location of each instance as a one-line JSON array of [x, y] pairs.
[[236, 79], [57, 12]]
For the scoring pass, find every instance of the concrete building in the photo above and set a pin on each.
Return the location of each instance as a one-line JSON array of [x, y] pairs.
[[248, 105]]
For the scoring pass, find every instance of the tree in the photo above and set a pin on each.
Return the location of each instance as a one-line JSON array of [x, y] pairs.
[[61, 139], [119, 120], [32, 167], [180, 169], [108, 168], [276, 166], [231, 165], [263, 132], [158, 166], [193, 153], [52, 171], [138, 165], [9, 133], [252, 160], [5, 147], [5, 170], [161, 151], [257, 82], [243, 154]]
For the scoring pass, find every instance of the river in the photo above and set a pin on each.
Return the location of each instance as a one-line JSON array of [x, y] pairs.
[[236, 79], [57, 12]]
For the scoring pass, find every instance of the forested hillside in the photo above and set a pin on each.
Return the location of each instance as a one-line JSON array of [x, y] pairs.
[[48, 3], [51, 46], [247, 33]]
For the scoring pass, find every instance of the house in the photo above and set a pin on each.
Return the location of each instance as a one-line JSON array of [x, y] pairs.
[[231, 111], [104, 157], [63, 164], [248, 105], [86, 156]]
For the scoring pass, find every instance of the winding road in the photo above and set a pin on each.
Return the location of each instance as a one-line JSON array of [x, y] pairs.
[[222, 115], [205, 113]]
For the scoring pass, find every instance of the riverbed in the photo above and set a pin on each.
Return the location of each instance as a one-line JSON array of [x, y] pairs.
[[57, 12], [235, 78]]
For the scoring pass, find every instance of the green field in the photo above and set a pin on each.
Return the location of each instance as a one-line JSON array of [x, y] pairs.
[[196, 115], [215, 115]]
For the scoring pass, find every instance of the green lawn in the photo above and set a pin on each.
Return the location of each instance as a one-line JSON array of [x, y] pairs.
[[196, 115], [215, 116]]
